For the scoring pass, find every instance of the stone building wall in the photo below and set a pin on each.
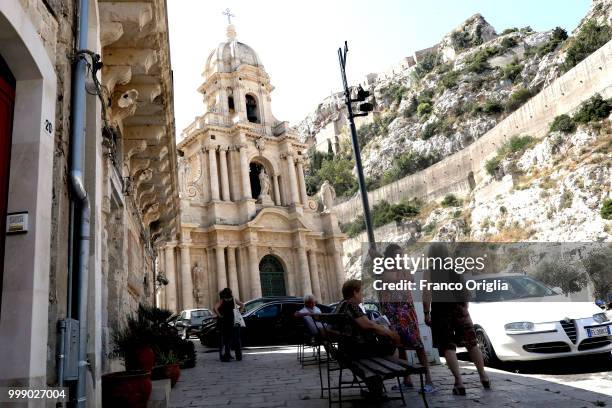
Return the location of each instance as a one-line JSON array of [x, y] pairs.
[[54, 22], [458, 173]]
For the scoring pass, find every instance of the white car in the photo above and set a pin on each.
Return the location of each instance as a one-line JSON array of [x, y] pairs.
[[531, 321]]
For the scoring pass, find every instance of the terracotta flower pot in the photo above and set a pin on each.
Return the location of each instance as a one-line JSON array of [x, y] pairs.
[[126, 389], [141, 358], [171, 371]]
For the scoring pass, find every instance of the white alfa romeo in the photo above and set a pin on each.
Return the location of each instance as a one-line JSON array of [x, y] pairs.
[[531, 321]]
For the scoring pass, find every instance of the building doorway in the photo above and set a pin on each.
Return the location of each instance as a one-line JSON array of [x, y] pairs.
[[7, 102], [272, 276]]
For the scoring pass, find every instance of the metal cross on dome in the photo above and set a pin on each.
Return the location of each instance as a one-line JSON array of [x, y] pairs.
[[229, 15]]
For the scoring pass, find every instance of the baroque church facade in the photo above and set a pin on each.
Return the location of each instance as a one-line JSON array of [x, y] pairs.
[[247, 222]]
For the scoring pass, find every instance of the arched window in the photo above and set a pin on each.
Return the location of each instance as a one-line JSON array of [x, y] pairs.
[[252, 109]]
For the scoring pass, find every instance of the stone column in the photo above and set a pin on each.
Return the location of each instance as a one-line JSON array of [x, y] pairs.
[[339, 268], [214, 177], [186, 280], [232, 271], [243, 272], [254, 271], [302, 183], [222, 103], [221, 276], [205, 179], [225, 193], [244, 172], [171, 276], [314, 274], [293, 184], [277, 198], [305, 284]]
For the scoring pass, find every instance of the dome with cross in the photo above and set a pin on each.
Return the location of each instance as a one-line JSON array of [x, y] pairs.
[[231, 54]]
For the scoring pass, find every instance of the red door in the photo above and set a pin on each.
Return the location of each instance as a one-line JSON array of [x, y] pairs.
[[7, 99]]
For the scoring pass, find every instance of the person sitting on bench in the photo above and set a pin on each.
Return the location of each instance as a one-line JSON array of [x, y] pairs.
[[367, 339]]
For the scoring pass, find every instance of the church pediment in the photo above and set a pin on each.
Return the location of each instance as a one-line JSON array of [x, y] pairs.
[[274, 219]]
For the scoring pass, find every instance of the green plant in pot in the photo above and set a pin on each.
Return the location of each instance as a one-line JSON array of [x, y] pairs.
[[134, 342], [167, 366]]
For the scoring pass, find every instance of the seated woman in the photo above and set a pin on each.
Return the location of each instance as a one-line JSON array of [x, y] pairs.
[[363, 342]]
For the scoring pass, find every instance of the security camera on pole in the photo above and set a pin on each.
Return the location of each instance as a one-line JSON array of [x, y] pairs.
[[364, 108]]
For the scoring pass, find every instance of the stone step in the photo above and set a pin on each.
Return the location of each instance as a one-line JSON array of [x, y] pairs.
[[160, 395]]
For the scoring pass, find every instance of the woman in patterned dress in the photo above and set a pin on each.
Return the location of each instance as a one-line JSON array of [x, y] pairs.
[[398, 306]]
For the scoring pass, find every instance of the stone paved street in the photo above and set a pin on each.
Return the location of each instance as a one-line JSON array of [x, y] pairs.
[[271, 377]]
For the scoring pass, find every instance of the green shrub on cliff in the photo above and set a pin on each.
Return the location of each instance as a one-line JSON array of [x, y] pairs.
[[427, 64], [591, 37], [478, 62], [515, 144], [450, 200], [406, 164], [517, 99], [449, 79], [558, 36], [606, 209], [492, 165], [512, 70], [563, 123], [594, 109], [382, 213], [424, 109]]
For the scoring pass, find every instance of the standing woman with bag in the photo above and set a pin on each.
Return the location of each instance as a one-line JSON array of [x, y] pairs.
[[228, 325]]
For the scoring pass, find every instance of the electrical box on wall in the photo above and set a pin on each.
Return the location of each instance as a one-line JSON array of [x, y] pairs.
[[17, 222], [71, 350]]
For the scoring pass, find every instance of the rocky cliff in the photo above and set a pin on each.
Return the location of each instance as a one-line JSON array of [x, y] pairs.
[[445, 97]]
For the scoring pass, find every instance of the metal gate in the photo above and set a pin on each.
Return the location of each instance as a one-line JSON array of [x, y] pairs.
[[272, 276]]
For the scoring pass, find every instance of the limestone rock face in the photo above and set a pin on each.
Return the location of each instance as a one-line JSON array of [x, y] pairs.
[[441, 111], [600, 12], [475, 29]]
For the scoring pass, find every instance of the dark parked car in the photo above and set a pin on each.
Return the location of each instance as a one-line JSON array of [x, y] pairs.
[[269, 321], [190, 321], [371, 309]]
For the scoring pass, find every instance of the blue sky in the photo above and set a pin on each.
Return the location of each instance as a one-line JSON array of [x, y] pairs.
[[297, 41]]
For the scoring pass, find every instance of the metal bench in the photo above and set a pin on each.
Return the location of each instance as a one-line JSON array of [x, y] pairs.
[[362, 369]]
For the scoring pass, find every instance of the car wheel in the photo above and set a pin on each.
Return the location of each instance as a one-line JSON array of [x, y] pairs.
[[486, 348]]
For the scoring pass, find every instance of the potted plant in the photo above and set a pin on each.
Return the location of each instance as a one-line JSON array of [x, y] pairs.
[[126, 389], [167, 367], [133, 343]]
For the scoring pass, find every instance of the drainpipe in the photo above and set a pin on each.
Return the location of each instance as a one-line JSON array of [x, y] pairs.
[[80, 199]]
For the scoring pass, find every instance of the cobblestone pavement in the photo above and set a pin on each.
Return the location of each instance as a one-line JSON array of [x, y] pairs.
[[272, 377]]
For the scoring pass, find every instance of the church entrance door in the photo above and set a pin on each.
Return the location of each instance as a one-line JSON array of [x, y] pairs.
[[272, 276]]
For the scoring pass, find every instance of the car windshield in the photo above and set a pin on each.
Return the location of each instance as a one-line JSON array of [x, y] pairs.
[[519, 287], [200, 313]]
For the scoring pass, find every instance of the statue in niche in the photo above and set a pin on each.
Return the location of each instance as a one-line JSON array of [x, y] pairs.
[[328, 196], [196, 273], [264, 183]]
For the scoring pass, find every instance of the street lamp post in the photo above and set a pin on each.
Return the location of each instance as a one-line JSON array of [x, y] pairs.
[[364, 109]]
